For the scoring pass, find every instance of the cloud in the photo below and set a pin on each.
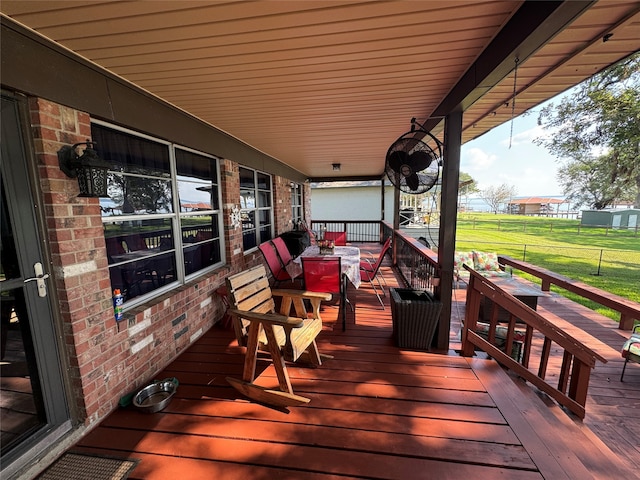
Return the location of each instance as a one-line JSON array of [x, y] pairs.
[[526, 137], [477, 159]]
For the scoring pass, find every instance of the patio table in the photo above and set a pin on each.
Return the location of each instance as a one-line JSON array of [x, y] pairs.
[[350, 260]]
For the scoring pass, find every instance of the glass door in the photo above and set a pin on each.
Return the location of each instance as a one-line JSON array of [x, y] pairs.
[[33, 404]]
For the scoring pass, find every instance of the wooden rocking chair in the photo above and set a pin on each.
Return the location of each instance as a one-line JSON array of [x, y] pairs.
[[286, 338]]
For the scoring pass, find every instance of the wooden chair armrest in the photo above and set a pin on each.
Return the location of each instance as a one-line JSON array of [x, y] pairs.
[[273, 318], [300, 294]]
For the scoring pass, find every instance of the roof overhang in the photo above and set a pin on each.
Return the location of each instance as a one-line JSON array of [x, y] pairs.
[[303, 85]]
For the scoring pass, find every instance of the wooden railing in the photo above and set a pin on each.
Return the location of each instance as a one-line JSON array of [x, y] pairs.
[[357, 230], [577, 362], [629, 310], [417, 264]]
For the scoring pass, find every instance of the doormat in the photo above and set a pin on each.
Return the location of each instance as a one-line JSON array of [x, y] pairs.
[[79, 466]]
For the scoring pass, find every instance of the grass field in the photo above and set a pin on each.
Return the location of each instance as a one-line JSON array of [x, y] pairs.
[[604, 258]]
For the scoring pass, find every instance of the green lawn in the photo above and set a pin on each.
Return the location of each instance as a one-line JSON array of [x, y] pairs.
[[605, 258]]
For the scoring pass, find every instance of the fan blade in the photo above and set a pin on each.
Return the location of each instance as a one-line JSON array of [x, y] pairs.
[[413, 182], [397, 159], [420, 160]]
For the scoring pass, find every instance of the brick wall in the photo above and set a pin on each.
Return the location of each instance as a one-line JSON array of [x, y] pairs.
[[105, 359], [282, 204], [307, 203]]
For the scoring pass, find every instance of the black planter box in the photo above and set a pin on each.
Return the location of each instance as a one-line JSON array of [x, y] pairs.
[[415, 315]]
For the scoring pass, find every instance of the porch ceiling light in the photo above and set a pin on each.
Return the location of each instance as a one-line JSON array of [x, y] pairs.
[[88, 168]]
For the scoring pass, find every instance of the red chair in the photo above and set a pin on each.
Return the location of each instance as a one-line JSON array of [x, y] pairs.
[[136, 242], [369, 271], [282, 250], [324, 274], [114, 247], [278, 272], [339, 238]]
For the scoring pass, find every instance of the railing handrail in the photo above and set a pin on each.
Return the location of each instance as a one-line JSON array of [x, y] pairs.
[[417, 263], [357, 230], [582, 357], [628, 309], [426, 252]]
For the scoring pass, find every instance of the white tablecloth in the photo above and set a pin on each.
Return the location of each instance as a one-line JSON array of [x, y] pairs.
[[350, 261]]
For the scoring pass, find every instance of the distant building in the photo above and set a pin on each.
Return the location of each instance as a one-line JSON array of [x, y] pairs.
[[542, 206], [363, 201], [612, 217]]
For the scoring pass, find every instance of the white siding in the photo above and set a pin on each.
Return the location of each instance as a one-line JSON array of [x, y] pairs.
[[350, 203]]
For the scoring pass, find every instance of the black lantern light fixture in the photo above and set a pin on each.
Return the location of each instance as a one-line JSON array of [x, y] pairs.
[[88, 168]]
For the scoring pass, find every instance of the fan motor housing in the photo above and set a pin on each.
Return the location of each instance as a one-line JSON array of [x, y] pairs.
[[411, 164]]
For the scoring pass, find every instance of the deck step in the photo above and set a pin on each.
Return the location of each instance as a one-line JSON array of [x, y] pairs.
[[559, 444]]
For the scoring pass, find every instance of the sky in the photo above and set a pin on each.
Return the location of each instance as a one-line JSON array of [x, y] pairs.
[[531, 169]]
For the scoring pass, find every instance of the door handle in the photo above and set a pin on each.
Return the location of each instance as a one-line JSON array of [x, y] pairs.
[[39, 278]]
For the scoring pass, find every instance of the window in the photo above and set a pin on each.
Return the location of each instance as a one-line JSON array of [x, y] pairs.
[[255, 208], [162, 220], [297, 205]]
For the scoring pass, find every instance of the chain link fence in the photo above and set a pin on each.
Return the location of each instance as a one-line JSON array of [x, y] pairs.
[[538, 225]]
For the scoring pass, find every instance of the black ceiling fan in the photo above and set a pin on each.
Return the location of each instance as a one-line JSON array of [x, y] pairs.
[[412, 165]]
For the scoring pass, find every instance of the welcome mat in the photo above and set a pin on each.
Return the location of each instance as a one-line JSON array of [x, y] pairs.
[[78, 466]]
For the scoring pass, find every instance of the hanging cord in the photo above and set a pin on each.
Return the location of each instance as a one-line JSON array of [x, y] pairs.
[[513, 100]]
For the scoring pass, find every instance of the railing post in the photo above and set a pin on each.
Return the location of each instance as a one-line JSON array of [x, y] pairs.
[[579, 385], [472, 311]]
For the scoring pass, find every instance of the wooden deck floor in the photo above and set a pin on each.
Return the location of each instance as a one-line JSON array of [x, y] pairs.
[[376, 411]]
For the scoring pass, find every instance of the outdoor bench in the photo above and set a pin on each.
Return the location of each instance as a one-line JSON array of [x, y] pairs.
[[485, 263]]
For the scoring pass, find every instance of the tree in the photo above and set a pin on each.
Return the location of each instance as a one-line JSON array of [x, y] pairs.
[[596, 130], [496, 196], [140, 194], [467, 186], [589, 182]]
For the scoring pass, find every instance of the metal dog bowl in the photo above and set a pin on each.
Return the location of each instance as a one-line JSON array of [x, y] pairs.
[[154, 397]]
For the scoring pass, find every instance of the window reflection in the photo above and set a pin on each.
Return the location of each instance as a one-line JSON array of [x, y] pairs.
[[144, 250], [141, 255], [201, 241], [197, 197], [247, 178], [296, 203], [264, 181], [247, 199], [133, 195], [256, 207]]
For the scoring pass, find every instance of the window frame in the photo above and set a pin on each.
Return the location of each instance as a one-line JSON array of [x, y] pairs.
[[256, 209], [175, 216], [297, 193]]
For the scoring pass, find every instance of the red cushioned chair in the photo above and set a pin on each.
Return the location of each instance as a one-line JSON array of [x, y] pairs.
[[324, 274], [136, 242], [339, 238], [369, 270], [278, 272], [114, 247], [282, 250]]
